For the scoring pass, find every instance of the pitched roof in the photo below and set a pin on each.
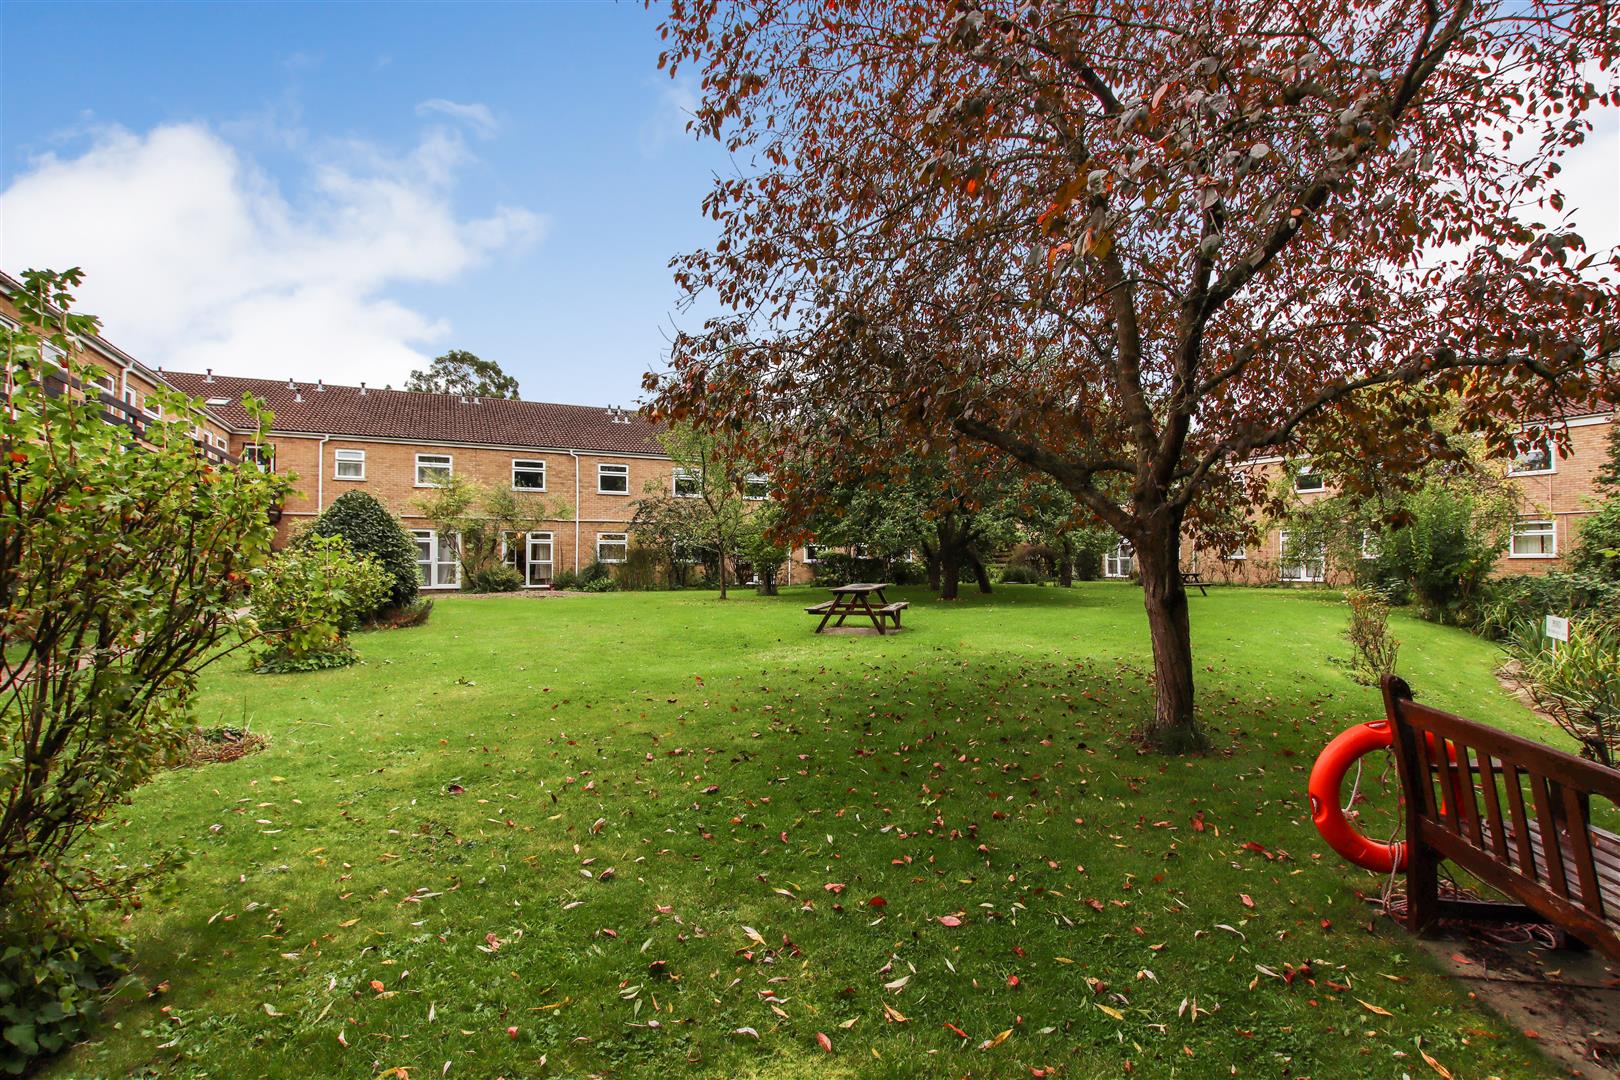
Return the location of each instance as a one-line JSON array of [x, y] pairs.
[[407, 414]]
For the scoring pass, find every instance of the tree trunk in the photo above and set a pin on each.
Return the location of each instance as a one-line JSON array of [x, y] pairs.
[[1066, 563], [931, 562], [1174, 728], [722, 546], [950, 565], [767, 582], [979, 572]]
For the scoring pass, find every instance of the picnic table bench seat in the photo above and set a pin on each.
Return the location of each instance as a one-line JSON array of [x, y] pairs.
[[819, 609], [1464, 786]]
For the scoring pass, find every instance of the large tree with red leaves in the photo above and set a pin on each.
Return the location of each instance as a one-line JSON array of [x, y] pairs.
[[1129, 244]]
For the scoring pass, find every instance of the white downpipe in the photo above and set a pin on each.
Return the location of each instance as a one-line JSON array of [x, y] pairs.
[[320, 474], [575, 456]]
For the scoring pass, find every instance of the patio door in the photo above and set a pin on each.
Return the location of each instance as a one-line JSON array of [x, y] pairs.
[[537, 571], [437, 560]]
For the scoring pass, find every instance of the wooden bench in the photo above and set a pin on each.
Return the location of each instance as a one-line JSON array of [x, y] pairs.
[[1194, 578], [1542, 850], [893, 610], [819, 609]]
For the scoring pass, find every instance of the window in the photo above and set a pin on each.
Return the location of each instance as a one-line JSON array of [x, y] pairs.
[[612, 547], [1120, 562], [433, 469], [688, 483], [1239, 552], [1297, 562], [1372, 545], [437, 560], [261, 454], [756, 487], [349, 464], [1534, 538], [1308, 480], [530, 555], [613, 479], [811, 551], [1533, 460], [131, 398], [528, 475]]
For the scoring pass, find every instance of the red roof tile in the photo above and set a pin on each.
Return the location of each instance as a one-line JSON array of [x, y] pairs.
[[406, 414]]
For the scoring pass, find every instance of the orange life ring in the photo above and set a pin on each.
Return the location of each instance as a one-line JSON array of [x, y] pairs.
[[1327, 777]]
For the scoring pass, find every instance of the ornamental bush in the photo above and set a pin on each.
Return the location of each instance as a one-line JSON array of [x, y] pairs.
[[308, 598], [371, 530], [123, 565]]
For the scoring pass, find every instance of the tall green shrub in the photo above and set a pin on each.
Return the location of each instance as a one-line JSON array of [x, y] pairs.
[[369, 529], [122, 568]]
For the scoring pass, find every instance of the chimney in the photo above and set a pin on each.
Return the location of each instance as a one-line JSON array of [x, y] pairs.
[[362, 389], [290, 385], [298, 397], [320, 386], [210, 376]]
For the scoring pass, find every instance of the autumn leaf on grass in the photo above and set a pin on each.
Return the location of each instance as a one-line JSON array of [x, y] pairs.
[[826, 1043], [892, 1014], [991, 1044], [949, 920], [1435, 1065], [1370, 1007], [753, 935], [1248, 901], [1110, 1010]]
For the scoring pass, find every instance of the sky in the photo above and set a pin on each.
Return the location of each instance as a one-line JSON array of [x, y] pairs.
[[344, 191]]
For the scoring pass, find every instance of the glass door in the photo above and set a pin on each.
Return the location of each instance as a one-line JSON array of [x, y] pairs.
[[537, 572], [437, 561]]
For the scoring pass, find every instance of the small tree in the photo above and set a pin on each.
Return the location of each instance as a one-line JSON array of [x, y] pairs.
[[485, 518], [122, 567], [460, 372], [307, 598], [671, 527], [712, 475], [760, 544], [370, 529]]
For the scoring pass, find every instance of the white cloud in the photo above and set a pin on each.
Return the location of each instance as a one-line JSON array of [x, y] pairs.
[[195, 258], [476, 116]]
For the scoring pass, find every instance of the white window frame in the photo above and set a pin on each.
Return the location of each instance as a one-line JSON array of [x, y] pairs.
[[1119, 562], [1304, 471], [528, 466], [761, 481], [435, 561], [811, 553], [695, 476], [1303, 566], [510, 542], [432, 462], [612, 468], [1552, 461], [342, 456], [608, 538], [1372, 544], [1519, 530], [1237, 553], [251, 452]]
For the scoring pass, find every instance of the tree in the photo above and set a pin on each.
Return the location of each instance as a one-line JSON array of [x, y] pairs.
[[308, 597], [1133, 245], [371, 530], [484, 519], [760, 544], [123, 566], [671, 527], [460, 372], [1608, 474], [712, 473]]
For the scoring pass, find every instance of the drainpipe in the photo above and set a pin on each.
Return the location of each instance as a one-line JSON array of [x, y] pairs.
[[575, 456], [320, 474]]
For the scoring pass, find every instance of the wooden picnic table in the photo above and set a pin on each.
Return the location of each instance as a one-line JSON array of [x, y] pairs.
[[1193, 579], [856, 599]]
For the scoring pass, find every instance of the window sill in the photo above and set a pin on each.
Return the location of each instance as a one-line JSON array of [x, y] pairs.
[[1552, 555], [621, 494], [531, 491], [351, 479], [1538, 472]]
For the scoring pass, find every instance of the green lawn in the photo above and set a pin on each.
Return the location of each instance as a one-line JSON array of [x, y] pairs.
[[649, 831]]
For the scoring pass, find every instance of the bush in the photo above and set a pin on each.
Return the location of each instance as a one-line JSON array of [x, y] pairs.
[[567, 579], [122, 571], [601, 584], [494, 579], [307, 599], [400, 618], [1597, 549], [1374, 648], [50, 982], [371, 530], [1022, 574], [595, 570], [1505, 602], [1576, 682], [640, 569]]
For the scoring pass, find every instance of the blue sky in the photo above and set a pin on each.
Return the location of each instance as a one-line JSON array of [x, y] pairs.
[[338, 190]]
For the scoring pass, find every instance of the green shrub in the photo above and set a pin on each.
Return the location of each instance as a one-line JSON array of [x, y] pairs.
[[567, 579], [1026, 573], [1576, 682], [307, 599], [400, 618], [595, 570], [640, 569], [371, 530], [601, 584], [1597, 548], [1503, 603], [493, 579], [50, 988]]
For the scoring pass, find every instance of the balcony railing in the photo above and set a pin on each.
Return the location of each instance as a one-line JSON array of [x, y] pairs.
[[114, 410]]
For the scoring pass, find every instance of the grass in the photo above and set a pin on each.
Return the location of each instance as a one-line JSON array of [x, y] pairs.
[[648, 832]]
